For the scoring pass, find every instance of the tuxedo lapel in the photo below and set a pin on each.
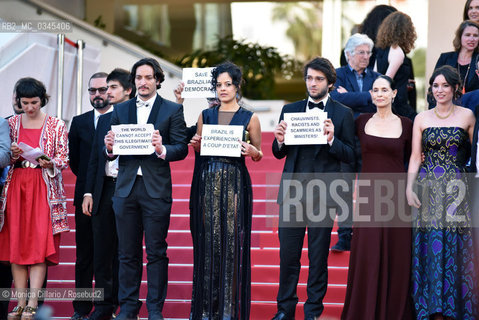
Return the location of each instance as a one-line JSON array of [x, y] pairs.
[[132, 118], [302, 105], [91, 124], [155, 109]]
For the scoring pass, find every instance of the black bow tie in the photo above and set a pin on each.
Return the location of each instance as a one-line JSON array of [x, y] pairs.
[[141, 103], [313, 105]]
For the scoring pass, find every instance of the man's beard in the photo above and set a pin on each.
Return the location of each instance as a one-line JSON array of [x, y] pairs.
[[320, 94], [99, 103]]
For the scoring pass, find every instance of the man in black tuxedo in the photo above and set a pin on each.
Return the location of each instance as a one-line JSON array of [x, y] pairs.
[[97, 202], [142, 199], [303, 162], [80, 140]]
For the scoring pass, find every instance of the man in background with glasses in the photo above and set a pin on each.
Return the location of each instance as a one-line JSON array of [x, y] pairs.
[[353, 83], [80, 140]]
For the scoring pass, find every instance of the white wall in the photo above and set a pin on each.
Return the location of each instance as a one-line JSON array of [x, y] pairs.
[[444, 18]]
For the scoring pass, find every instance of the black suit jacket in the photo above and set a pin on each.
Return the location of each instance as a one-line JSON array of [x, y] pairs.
[[328, 158], [450, 59], [97, 163], [80, 140], [167, 117]]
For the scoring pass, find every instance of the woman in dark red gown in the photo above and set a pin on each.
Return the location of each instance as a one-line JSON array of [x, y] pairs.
[[33, 198], [380, 261]]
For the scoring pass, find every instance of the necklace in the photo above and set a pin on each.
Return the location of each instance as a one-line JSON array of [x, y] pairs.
[[446, 116], [465, 76]]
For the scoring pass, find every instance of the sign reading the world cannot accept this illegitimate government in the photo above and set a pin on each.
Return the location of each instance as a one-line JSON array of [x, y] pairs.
[[221, 140], [133, 139]]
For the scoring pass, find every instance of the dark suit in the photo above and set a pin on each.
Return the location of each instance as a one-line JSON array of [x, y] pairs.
[[471, 100], [105, 240], [359, 101], [143, 204], [307, 160], [80, 139], [450, 59]]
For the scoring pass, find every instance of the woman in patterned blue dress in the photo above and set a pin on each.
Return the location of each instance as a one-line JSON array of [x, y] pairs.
[[443, 280]]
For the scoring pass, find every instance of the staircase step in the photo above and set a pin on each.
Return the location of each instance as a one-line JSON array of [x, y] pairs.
[[265, 176]]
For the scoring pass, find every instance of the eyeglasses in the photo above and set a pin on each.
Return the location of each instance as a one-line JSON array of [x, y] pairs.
[[101, 90], [362, 53]]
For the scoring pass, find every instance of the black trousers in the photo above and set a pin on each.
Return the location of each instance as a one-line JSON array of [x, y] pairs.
[[84, 259], [137, 214], [105, 248], [291, 240]]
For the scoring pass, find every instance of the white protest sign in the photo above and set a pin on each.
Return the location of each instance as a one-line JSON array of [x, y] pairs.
[[221, 140], [133, 139], [305, 128], [197, 83]]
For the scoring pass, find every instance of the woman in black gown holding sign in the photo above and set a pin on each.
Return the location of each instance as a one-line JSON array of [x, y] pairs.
[[222, 213]]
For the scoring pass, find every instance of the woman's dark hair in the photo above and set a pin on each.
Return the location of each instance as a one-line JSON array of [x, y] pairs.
[[392, 84], [460, 30], [371, 23], [31, 88], [452, 78], [465, 15], [323, 65], [157, 71], [232, 70]]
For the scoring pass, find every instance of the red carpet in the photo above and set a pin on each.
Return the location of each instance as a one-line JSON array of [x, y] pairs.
[[265, 248]]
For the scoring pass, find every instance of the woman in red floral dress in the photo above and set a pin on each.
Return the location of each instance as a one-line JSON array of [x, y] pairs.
[[33, 204]]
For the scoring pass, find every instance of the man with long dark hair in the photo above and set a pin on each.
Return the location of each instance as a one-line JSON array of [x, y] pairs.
[[142, 199]]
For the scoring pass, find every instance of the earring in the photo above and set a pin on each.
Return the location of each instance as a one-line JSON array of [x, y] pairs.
[[392, 100]]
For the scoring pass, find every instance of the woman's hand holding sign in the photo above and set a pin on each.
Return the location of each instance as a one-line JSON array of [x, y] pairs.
[[251, 151], [195, 142]]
